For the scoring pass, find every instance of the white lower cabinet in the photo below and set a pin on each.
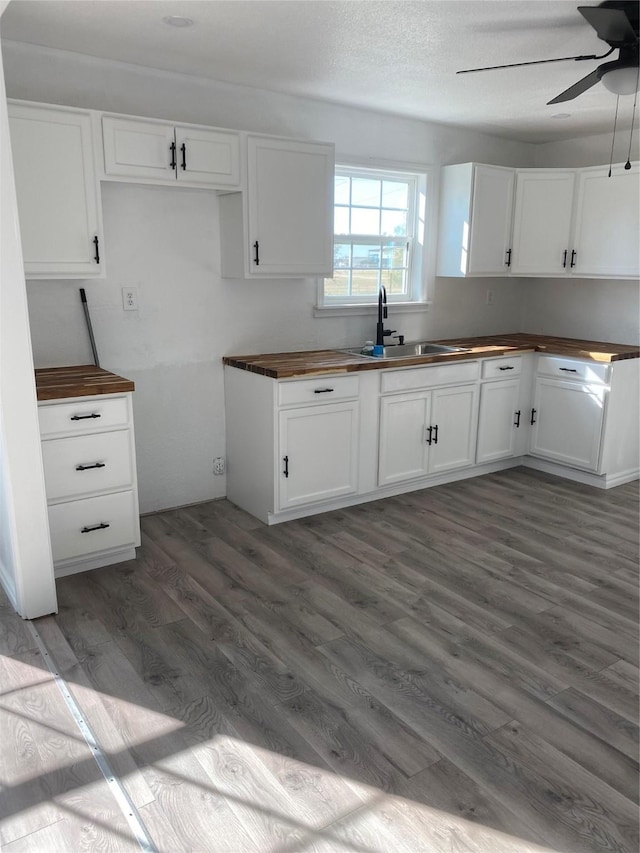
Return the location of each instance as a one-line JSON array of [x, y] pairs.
[[498, 420], [318, 451], [90, 477]]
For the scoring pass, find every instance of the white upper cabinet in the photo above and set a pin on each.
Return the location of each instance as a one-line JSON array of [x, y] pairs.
[[284, 225], [161, 151], [542, 222], [474, 237], [607, 223], [57, 191]]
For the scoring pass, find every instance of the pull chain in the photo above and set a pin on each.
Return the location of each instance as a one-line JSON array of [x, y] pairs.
[[613, 141], [627, 165]]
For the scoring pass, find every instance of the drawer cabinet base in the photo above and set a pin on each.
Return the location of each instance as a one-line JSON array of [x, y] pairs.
[[83, 564]]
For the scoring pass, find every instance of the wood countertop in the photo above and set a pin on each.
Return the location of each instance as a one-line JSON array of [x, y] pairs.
[[56, 383], [285, 365]]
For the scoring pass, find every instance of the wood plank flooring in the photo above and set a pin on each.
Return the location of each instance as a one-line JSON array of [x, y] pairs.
[[451, 671]]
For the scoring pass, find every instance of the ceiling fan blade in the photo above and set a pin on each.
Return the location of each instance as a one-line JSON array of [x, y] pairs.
[[533, 62], [577, 88], [611, 25]]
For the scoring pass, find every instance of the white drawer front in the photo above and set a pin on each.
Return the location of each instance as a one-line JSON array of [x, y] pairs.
[[576, 369], [501, 368], [427, 377], [83, 527], [83, 416], [318, 390], [87, 463]]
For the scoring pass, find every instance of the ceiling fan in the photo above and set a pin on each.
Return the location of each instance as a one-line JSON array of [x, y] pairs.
[[616, 23]]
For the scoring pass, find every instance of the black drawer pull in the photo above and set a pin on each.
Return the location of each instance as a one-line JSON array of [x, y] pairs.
[[183, 148], [516, 423], [435, 434], [256, 259], [286, 466], [574, 255], [87, 467], [96, 256], [101, 526], [564, 258], [172, 148], [508, 260], [568, 369], [533, 416], [322, 390], [510, 367], [84, 417], [430, 431]]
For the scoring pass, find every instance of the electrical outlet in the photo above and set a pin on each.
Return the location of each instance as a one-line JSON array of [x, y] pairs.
[[489, 297], [218, 465], [129, 298]]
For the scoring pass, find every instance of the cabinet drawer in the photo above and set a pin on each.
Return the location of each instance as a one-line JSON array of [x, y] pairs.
[[324, 390], [501, 368], [572, 368], [93, 524], [83, 416], [428, 377], [83, 464]]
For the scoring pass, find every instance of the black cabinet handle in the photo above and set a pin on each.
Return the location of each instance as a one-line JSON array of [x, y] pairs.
[[172, 148], [516, 423], [84, 417], [97, 254], [183, 148], [508, 261], [256, 259], [430, 431], [88, 467], [568, 369], [435, 434], [564, 258], [574, 255], [323, 390], [506, 367], [533, 416], [286, 466], [102, 526]]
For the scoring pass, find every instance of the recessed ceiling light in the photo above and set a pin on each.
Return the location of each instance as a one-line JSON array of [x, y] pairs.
[[561, 115], [178, 21]]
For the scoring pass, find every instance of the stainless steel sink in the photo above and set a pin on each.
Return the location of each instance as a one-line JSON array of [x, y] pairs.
[[410, 350]]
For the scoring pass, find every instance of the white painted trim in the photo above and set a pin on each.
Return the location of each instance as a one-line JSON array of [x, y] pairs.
[[368, 309], [598, 481], [107, 558]]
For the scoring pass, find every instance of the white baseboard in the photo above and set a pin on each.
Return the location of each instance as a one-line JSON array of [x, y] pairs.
[[72, 567], [589, 478]]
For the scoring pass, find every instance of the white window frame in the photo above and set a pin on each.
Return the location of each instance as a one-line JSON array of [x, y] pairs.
[[421, 240]]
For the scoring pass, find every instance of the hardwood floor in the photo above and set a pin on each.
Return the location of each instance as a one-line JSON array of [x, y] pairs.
[[449, 670]]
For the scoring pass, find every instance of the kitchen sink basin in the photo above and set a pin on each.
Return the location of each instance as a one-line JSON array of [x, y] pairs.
[[410, 350]]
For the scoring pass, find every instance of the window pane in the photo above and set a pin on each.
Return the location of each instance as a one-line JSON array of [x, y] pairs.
[[364, 221], [394, 281], [395, 194], [394, 256], [341, 220], [394, 223], [366, 257], [341, 255], [341, 190], [338, 285], [365, 191], [365, 283]]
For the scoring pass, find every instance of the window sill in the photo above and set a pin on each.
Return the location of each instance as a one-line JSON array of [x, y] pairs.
[[372, 309]]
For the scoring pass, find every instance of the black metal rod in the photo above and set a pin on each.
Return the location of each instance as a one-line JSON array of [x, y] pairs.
[[183, 148], [92, 340], [88, 467]]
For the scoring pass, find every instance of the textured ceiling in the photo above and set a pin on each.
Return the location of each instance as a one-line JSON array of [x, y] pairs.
[[393, 56]]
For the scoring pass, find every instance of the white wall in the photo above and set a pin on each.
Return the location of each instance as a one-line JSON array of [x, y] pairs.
[[166, 243], [26, 568]]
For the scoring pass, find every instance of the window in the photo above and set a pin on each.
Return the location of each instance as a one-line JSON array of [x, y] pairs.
[[378, 234]]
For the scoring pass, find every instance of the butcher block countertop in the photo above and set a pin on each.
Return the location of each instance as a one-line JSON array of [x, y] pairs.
[[56, 383], [285, 365]]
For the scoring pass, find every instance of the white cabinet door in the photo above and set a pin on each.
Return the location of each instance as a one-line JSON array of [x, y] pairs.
[[474, 233], [140, 149], [454, 418], [607, 229], [290, 207], [404, 433], [318, 453], [542, 222], [567, 422], [498, 420], [491, 221], [57, 191], [208, 157]]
